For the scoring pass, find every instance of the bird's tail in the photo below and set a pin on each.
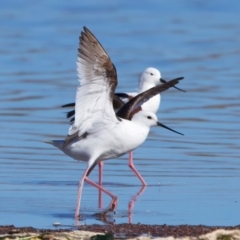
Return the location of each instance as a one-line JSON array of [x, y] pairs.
[[56, 143]]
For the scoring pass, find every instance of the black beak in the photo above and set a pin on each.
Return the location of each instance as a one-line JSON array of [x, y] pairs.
[[180, 78], [162, 125]]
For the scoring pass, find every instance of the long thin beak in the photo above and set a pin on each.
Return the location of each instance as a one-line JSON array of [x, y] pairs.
[[164, 126], [164, 81]]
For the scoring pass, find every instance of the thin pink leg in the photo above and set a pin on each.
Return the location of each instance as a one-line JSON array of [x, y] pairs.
[[100, 171], [132, 201], [113, 203], [80, 187], [131, 165]]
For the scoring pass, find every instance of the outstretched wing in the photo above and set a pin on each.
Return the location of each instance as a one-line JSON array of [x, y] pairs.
[[117, 104], [134, 104], [98, 81]]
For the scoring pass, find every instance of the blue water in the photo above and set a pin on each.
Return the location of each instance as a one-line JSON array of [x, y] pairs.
[[193, 179]]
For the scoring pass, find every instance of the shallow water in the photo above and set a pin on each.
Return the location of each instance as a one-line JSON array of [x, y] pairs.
[[193, 179]]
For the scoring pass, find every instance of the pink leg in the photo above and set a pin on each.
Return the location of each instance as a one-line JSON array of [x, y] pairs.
[[80, 187], [113, 203], [131, 165], [100, 171]]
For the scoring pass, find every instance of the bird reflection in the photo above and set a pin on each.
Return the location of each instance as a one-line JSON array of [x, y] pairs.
[[107, 215]]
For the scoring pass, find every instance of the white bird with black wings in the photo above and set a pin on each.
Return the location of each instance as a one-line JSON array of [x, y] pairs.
[[98, 133]]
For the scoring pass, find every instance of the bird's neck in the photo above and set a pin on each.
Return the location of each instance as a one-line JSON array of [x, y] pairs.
[[145, 86], [140, 128], [138, 122]]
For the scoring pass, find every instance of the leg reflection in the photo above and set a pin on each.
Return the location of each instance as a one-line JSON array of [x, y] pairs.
[[132, 201], [106, 216]]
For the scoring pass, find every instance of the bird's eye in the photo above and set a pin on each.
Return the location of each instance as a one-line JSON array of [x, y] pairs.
[[151, 73], [149, 117]]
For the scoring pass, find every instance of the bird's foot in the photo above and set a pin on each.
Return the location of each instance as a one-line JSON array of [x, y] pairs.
[[113, 204], [111, 208], [78, 216]]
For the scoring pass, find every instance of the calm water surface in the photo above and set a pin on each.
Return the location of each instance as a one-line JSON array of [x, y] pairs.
[[193, 179]]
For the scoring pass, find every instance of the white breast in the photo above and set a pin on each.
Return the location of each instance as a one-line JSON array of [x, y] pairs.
[[109, 143], [152, 105]]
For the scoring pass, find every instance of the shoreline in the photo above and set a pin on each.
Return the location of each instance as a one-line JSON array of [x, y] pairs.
[[123, 231]]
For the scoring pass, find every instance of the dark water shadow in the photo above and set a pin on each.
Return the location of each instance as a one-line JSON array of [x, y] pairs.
[[103, 218]]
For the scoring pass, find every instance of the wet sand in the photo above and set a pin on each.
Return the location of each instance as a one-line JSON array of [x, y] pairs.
[[125, 231]]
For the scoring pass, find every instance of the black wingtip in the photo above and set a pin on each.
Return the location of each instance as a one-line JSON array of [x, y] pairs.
[[70, 114], [179, 78], [68, 105], [72, 120]]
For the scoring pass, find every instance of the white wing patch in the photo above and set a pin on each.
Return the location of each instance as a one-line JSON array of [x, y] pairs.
[[93, 106], [94, 98]]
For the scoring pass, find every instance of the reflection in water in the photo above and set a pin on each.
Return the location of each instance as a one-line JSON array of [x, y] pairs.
[[185, 175], [132, 201], [106, 215]]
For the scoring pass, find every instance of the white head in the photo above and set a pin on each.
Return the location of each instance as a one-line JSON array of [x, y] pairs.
[[149, 119], [150, 77]]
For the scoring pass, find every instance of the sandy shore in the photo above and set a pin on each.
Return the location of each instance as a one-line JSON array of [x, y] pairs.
[[124, 231]]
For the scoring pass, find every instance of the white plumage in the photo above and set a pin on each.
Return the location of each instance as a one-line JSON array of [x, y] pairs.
[[97, 134]]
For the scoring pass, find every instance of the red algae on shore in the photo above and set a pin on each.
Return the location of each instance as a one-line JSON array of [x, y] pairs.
[[125, 230]]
